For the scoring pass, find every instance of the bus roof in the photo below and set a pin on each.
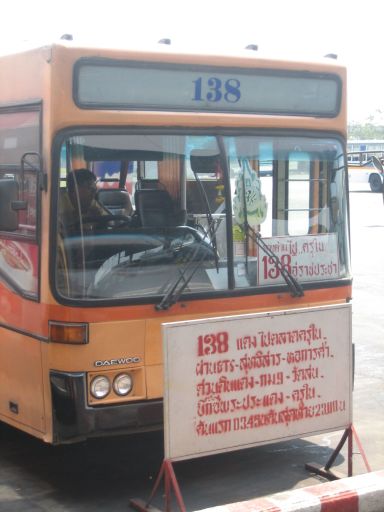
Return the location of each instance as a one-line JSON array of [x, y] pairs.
[[47, 73], [244, 56]]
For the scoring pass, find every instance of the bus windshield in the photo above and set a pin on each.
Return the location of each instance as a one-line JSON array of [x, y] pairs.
[[166, 210]]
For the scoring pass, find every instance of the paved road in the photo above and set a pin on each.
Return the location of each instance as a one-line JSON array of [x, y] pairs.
[[367, 227], [102, 475]]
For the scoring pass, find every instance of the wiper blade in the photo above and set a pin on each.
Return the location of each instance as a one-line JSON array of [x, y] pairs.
[[175, 291], [293, 284]]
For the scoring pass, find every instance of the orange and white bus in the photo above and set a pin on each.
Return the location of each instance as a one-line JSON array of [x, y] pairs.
[[224, 179], [365, 163]]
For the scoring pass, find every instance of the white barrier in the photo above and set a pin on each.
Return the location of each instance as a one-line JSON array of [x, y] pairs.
[[362, 493]]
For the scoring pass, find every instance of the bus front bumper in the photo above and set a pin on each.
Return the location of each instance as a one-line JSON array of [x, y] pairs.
[[74, 420]]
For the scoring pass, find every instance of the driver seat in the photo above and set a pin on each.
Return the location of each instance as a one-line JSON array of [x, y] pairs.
[[117, 201], [156, 209]]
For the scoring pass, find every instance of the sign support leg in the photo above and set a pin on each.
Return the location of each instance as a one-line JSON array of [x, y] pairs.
[[348, 435], [361, 449], [170, 483]]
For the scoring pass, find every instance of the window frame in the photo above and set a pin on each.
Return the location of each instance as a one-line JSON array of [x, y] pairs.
[[16, 169], [221, 132]]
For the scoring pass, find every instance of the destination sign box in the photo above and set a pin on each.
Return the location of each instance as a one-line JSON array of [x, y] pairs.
[[150, 86], [307, 258]]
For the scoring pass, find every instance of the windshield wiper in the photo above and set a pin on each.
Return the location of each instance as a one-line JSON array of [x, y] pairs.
[[174, 292], [293, 284], [186, 274]]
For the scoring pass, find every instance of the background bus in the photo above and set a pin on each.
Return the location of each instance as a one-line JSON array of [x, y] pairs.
[[365, 163], [176, 144]]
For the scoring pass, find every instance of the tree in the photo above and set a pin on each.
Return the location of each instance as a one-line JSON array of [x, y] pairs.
[[371, 128]]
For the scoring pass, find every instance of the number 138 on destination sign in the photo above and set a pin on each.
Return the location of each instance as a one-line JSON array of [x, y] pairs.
[[214, 89]]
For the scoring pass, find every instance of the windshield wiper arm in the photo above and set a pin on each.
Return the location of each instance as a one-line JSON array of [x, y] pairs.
[[293, 284], [173, 294], [175, 291]]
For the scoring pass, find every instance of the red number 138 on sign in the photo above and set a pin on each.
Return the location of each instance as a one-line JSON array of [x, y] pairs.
[[212, 344], [270, 271]]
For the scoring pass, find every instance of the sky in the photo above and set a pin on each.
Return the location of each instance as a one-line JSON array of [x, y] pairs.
[[285, 28]]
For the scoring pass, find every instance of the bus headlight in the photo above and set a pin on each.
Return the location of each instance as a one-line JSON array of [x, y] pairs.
[[123, 384], [100, 387]]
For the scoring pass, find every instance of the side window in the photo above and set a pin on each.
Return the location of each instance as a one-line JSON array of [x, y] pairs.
[[299, 174], [302, 194], [308, 195], [19, 134]]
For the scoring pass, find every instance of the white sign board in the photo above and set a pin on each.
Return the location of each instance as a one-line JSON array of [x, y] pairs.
[[239, 381], [308, 258]]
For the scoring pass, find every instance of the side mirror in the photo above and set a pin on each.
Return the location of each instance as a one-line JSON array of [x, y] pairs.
[[376, 162], [9, 195], [202, 162]]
